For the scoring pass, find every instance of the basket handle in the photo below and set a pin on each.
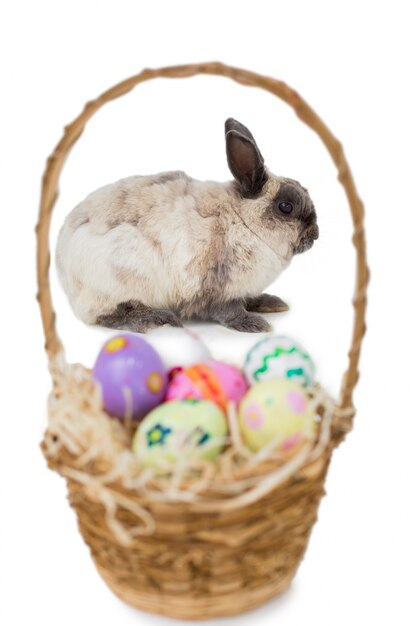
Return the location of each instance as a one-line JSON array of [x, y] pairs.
[[72, 132]]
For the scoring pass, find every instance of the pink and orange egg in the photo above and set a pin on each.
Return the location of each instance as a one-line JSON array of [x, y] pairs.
[[210, 380]]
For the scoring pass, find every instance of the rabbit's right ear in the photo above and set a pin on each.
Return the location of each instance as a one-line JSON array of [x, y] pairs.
[[244, 158]]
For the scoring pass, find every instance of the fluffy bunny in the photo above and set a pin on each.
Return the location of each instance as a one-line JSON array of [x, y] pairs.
[[153, 250]]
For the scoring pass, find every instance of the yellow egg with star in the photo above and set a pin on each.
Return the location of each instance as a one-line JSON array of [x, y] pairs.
[[179, 429]]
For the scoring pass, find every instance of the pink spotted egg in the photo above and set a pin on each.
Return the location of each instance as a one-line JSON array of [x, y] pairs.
[[279, 410]]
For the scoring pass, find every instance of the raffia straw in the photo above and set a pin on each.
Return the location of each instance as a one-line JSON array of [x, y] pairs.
[[112, 500], [186, 480]]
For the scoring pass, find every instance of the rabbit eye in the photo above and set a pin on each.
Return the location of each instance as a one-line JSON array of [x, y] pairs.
[[285, 207]]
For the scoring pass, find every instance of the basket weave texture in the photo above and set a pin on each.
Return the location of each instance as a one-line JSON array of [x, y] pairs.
[[239, 541]]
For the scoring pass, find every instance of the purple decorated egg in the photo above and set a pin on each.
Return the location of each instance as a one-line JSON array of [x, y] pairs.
[[131, 375]]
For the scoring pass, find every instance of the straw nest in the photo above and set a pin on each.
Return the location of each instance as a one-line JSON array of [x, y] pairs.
[[204, 539]]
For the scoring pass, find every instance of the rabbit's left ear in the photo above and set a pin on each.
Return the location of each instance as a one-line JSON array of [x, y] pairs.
[[244, 158]]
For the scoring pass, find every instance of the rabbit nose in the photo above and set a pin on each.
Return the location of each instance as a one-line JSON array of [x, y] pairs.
[[315, 232], [311, 232]]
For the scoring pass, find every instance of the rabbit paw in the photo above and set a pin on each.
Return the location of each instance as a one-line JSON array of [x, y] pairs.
[[248, 323], [233, 314], [136, 316], [265, 303]]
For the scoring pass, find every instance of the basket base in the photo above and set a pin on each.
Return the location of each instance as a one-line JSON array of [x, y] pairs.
[[200, 608]]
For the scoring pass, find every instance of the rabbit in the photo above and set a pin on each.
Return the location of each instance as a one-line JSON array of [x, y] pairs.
[[156, 250]]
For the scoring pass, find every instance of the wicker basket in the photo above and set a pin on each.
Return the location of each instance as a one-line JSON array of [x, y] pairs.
[[229, 550]]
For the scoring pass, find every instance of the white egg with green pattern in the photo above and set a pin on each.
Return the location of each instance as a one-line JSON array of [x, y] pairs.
[[279, 357], [181, 428]]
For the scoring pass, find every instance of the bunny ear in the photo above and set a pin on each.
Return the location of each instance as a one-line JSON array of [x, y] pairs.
[[244, 158]]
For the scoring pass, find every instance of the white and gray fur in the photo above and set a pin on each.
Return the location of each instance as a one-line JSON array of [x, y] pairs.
[[152, 250]]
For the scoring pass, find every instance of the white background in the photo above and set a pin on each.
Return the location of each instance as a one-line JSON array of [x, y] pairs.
[[355, 64]]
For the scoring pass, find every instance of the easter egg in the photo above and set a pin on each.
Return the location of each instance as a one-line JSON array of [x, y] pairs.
[[279, 357], [131, 375], [178, 429], [178, 348], [211, 380], [277, 409]]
